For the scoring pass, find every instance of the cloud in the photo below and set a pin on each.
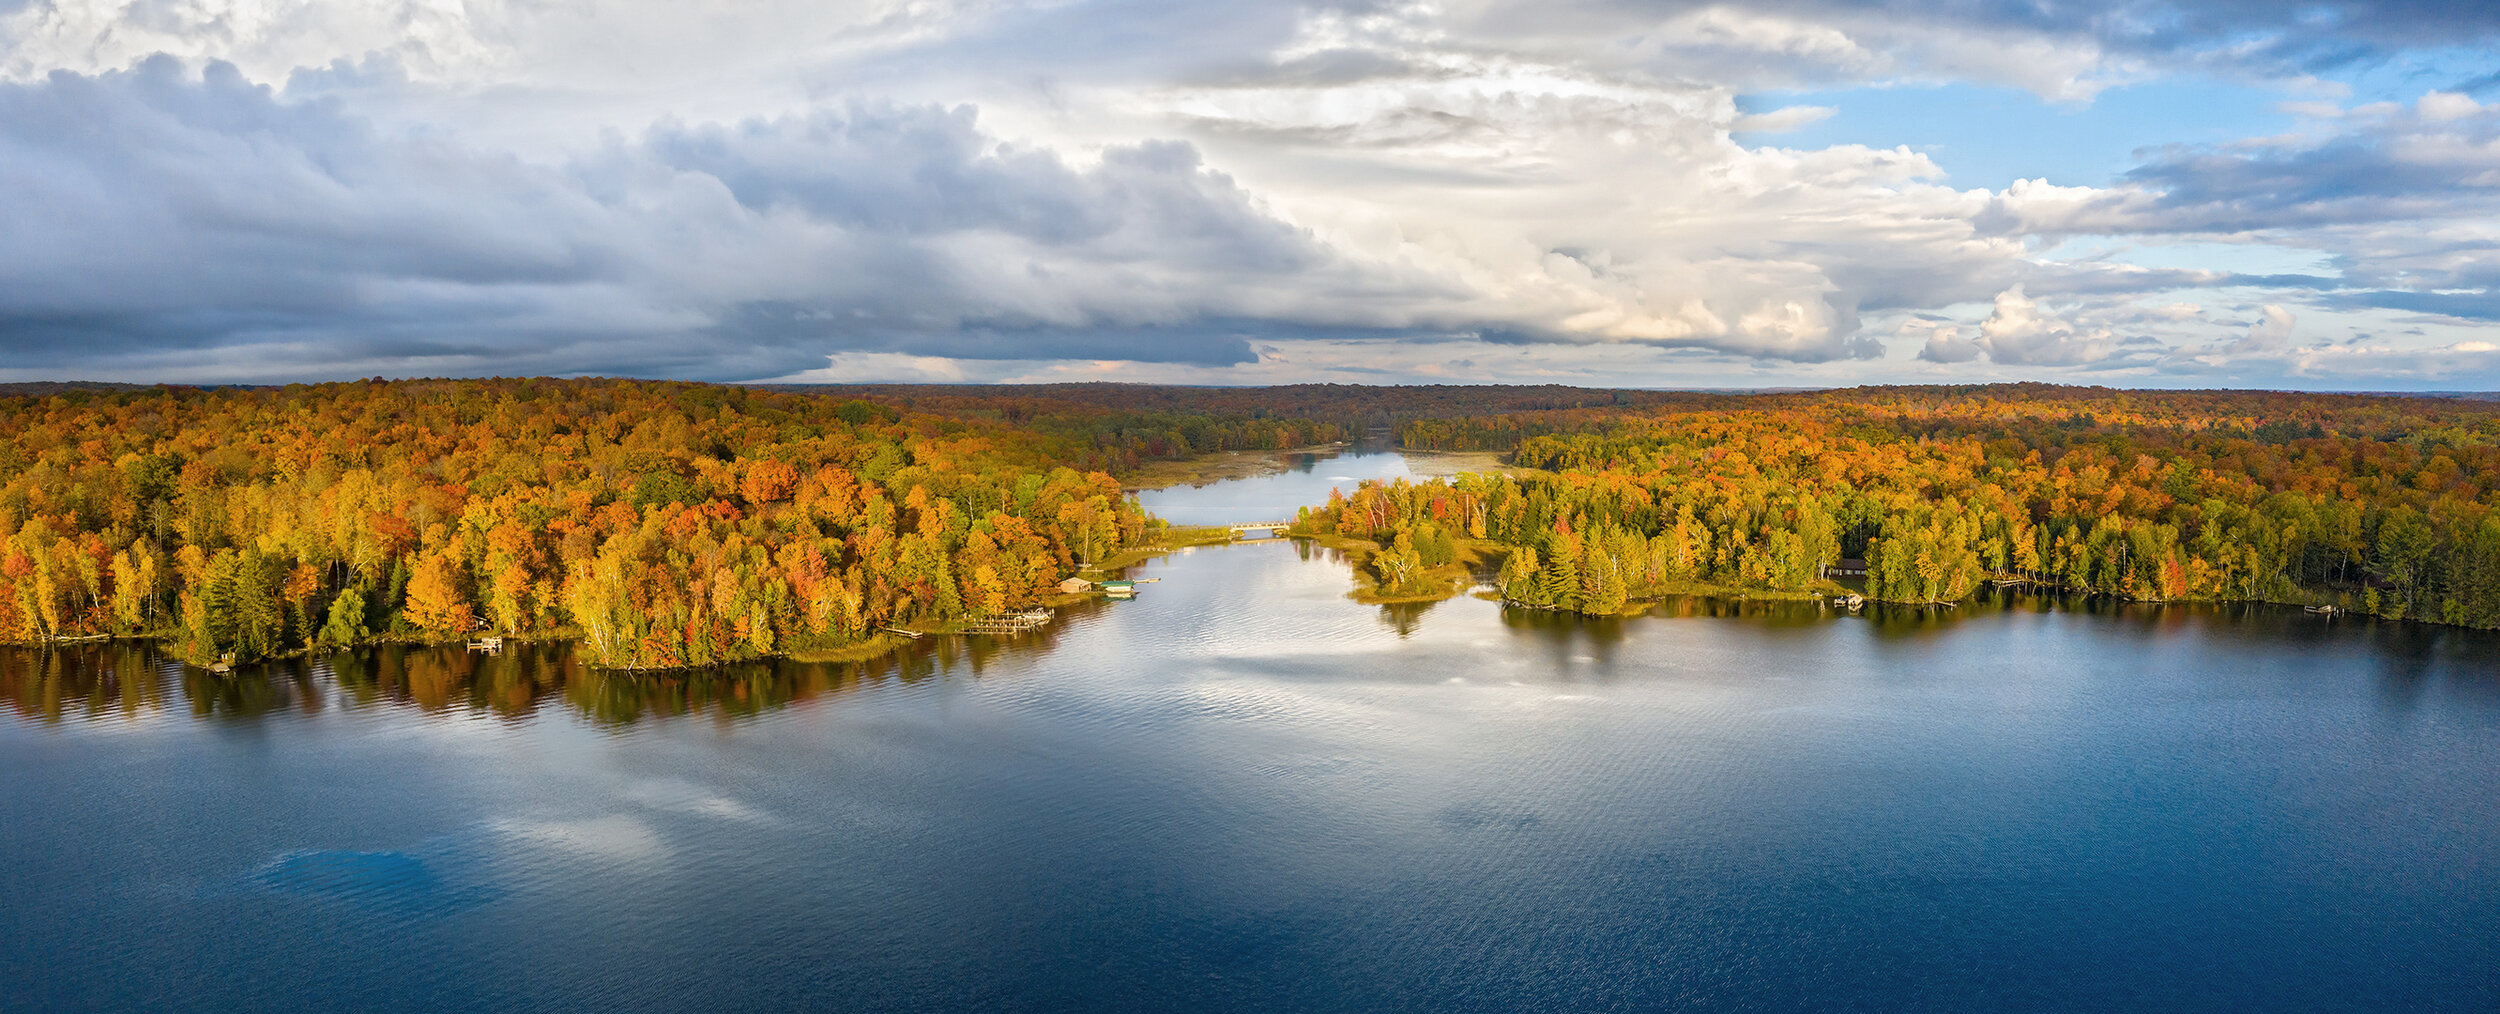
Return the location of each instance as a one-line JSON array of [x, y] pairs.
[[2440, 107], [1572, 207], [2271, 333], [2401, 200], [177, 224], [2391, 164], [160, 220], [922, 188], [2064, 50], [1945, 344], [1782, 120], [2020, 332], [2455, 366]]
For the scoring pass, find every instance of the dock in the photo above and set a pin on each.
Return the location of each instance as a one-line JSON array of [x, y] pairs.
[[1009, 623]]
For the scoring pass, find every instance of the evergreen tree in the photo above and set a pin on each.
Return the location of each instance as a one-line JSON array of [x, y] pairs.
[[346, 623]]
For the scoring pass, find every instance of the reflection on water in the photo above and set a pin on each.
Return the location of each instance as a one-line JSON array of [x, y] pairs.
[[131, 678], [98, 682], [1243, 792], [1304, 482]]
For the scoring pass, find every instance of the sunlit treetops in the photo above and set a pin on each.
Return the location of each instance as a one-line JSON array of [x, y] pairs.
[[2382, 504], [666, 524], [673, 524]]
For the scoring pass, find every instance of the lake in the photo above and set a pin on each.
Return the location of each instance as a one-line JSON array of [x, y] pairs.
[[1241, 791]]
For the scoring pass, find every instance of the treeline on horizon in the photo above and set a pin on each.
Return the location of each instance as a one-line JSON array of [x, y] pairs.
[[2378, 504], [665, 524], [1356, 410]]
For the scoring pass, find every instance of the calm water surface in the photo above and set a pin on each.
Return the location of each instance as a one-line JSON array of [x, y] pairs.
[[1242, 792]]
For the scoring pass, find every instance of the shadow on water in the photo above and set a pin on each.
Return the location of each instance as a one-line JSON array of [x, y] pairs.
[[1606, 630], [125, 680], [1405, 617], [117, 679], [2409, 657]]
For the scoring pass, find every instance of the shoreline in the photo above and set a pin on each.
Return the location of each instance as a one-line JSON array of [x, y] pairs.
[[1450, 580], [1225, 466], [1220, 466], [1459, 579]]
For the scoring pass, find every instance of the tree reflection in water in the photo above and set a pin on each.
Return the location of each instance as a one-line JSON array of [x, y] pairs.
[[128, 680], [133, 679]]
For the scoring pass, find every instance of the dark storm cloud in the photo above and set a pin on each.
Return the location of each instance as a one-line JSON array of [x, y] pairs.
[[918, 172], [157, 210], [149, 214], [1197, 342]]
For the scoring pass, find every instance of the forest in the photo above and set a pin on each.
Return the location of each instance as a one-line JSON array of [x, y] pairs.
[[2382, 505], [671, 524], [663, 524]]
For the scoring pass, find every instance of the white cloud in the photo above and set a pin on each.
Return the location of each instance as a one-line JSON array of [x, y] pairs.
[[2271, 333], [911, 186], [2440, 107], [1782, 120], [2019, 332], [1944, 344]]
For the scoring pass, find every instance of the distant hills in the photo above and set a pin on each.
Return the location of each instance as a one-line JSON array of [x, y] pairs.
[[47, 388]]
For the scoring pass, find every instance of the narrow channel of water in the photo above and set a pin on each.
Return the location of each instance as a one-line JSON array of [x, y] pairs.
[[1243, 792]]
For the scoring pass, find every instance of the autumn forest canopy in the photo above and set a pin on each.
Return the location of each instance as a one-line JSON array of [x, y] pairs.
[[672, 524]]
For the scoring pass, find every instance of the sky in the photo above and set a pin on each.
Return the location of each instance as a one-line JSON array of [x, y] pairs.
[[1800, 193]]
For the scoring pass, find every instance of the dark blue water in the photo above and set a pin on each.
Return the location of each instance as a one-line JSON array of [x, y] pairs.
[[1242, 792]]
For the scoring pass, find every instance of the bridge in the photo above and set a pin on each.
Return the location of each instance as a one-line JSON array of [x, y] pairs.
[[1274, 529]]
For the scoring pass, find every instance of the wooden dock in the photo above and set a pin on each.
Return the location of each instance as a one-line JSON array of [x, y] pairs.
[[1011, 623]]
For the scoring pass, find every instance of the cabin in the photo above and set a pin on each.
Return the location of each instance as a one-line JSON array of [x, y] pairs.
[[1074, 586], [1846, 568]]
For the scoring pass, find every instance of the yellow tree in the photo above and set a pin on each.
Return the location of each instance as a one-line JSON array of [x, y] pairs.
[[436, 602]]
